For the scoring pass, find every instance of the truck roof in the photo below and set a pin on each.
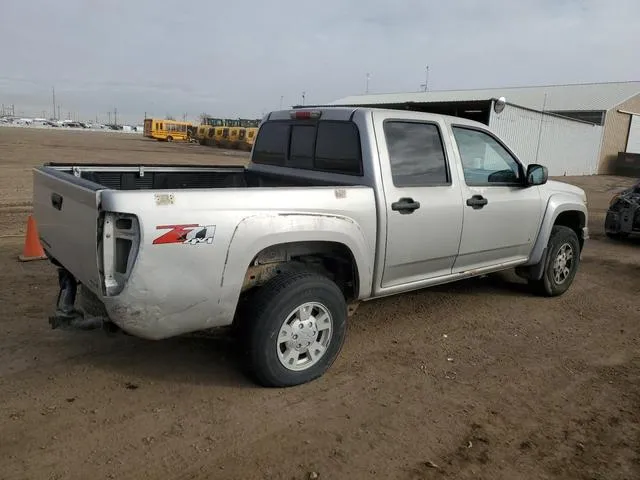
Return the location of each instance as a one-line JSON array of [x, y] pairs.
[[330, 112]]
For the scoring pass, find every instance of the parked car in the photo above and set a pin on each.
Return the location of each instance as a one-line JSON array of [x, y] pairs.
[[338, 206], [623, 215]]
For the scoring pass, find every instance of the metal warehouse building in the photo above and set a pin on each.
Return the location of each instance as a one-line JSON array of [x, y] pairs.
[[572, 129]]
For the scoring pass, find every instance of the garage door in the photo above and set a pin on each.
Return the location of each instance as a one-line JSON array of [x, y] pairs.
[[633, 140]]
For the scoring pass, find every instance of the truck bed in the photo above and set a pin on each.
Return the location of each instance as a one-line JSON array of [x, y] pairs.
[[169, 177]]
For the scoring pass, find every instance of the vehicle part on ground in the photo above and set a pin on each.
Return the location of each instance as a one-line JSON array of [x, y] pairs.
[[623, 216]]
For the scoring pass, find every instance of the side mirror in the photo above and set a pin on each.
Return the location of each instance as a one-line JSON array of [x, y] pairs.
[[537, 174]]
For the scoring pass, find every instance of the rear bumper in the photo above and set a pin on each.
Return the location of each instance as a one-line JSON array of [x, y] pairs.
[[151, 321], [152, 309]]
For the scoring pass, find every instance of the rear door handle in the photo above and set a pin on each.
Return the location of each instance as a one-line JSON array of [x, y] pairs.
[[56, 201], [405, 206], [477, 201]]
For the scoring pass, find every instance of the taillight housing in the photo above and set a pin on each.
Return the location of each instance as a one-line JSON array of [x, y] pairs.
[[305, 114], [118, 250]]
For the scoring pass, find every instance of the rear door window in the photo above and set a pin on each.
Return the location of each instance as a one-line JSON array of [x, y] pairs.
[[416, 154]]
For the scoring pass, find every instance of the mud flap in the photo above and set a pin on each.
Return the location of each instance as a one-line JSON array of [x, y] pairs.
[[533, 272]]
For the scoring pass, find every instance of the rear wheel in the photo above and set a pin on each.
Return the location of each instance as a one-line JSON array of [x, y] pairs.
[[169, 139], [561, 264], [293, 329]]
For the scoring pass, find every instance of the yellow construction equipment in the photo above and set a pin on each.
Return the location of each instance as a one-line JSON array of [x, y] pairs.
[[206, 130], [228, 133], [249, 134]]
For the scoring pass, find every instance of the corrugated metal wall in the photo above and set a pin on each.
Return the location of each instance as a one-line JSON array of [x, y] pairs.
[[566, 147], [616, 129]]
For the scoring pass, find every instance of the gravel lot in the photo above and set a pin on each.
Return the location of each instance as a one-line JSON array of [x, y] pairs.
[[474, 380]]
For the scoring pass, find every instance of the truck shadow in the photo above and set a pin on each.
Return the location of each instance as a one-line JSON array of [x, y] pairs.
[[505, 283], [214, 358], [189, 359]]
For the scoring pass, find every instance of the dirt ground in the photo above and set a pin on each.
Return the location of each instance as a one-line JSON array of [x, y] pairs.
[[475, 380]]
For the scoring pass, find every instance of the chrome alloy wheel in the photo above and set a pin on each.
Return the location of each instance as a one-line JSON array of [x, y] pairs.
[[563, 263], [304, 336]]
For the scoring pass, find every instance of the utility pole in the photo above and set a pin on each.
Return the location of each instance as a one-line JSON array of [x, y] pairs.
[[366, 89], [304, 94], [115, 116], [53, 91], [59, 117], [109, 117], [425, 85]]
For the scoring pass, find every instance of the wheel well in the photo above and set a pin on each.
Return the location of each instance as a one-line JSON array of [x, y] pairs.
[[575, 220], [331, 259]]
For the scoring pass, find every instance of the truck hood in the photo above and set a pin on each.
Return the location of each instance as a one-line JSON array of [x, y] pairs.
[[553, 186]]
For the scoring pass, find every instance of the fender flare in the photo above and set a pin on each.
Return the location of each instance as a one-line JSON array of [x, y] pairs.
[[558, 203], [283, 228]]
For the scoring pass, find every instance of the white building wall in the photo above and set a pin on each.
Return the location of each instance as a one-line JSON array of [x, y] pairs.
[[566, 147]]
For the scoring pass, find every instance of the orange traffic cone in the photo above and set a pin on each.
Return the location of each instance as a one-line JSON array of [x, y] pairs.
[[32, 248]]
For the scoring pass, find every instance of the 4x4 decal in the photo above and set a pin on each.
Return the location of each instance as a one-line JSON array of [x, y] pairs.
[[191, 234]]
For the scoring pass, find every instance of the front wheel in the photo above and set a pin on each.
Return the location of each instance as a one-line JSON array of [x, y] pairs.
[[561, 264], [294, 329]]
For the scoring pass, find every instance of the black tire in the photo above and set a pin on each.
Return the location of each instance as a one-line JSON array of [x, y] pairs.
[[548, 286], [267, 310], [169, 139]]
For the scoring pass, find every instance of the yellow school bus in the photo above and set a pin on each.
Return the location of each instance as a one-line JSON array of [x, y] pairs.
[[167, 130]]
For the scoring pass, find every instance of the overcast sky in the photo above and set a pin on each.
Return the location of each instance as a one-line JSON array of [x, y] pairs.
[[238, 58]]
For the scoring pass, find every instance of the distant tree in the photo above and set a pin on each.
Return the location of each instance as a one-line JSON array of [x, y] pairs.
[[170, 117], [203, 117]]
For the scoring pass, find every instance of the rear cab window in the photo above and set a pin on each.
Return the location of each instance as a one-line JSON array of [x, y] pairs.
[[324, 146]]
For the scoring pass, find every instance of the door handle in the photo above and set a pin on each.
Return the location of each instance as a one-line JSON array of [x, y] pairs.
[[56, 201], [405, 206], [477, 202]]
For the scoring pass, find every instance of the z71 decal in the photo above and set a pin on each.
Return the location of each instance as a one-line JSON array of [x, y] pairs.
[[190, 234]]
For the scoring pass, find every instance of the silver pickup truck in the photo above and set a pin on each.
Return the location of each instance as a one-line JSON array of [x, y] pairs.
[[337, 206]]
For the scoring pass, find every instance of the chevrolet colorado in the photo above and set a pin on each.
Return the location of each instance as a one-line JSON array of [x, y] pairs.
[[337, 206]]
